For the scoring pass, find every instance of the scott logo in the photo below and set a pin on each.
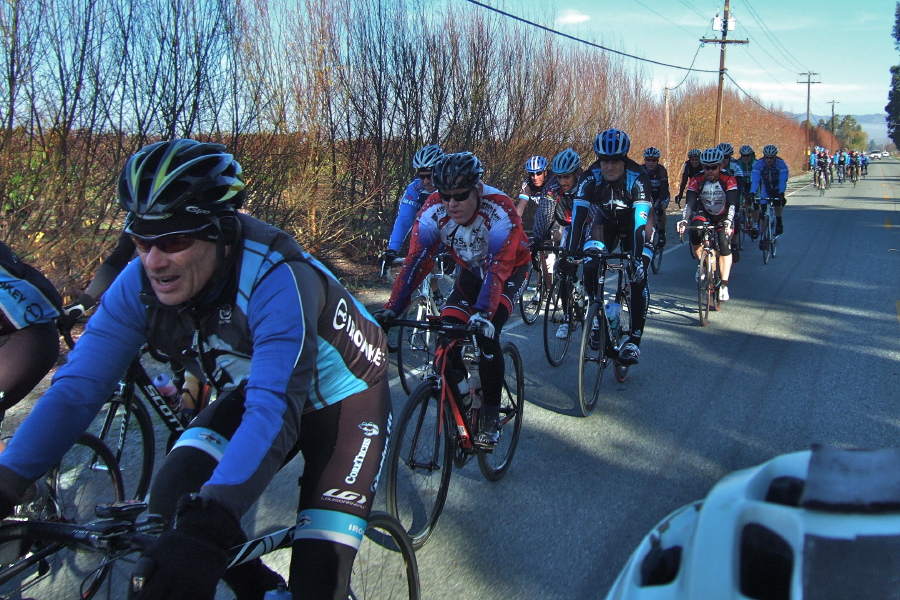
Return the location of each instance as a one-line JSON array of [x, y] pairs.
[[369, 429]]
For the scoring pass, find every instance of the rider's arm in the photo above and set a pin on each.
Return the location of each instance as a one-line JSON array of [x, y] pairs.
[[684, 179], [784, 174], [580, 208], [644, 216], [664, 192], [406, 215], [80, 387], [108, 271], [424, 244], [755, 176], [507, 249]]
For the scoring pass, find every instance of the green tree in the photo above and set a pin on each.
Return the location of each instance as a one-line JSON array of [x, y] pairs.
[[893, 105]]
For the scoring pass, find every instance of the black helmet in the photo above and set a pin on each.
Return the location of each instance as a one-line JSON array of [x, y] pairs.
[[179, 184], [460, 170]]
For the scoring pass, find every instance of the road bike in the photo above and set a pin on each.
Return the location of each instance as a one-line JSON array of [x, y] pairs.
[[535, 288], [821, 181], [385, 566], [32, 565], [607, 328], [768, 241], [708, 280], [415, 348], [656, 261], [854, 174], [565, 305], [437, 427]]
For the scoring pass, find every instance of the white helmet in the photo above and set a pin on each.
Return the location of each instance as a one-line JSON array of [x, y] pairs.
[[817, 524]]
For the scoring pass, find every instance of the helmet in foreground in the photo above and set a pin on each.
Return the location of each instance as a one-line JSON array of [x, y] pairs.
[[612, 144], [819, 524], [536, 164], [427, 157], [566, 162], [178, 185], [460, 170], [652, 152], [712, 156], [770, 150]]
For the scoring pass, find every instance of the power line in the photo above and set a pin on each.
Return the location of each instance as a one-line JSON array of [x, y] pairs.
[[755, 101], [696, 12], [581, 41], [768, 32], [691, 33]]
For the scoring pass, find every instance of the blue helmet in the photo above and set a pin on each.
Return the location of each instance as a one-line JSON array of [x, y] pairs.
[[536, 164], [652, 152], [460, 170], [694, 152], [726, 148], [770, 150], [566, 162], [712, 156], [427, 157], [612, 144], [747, 149]]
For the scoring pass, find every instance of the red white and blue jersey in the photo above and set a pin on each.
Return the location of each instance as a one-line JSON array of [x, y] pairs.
[[491, 245]]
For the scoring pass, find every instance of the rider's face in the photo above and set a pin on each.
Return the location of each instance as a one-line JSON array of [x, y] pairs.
[[179, 276], [612, 170], [538, 179], [461, 204], [712, 172], [567, 182]]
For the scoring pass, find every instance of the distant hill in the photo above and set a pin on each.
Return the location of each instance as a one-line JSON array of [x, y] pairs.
[[874, 125]]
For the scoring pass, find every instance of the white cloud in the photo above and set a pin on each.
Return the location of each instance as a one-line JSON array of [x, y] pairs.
[[570, 16]]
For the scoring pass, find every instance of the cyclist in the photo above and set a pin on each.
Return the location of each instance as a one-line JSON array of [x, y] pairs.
[[29, 343], [770, 173], [821, 166], [613, 196], [274, 333], [690, 169], [712, 198], [732, 167], [853, 164], [535, 185], [864, 163], [841, 160], [414, 197], [745, 163], [659, 182], [481, 228], [552, 221]]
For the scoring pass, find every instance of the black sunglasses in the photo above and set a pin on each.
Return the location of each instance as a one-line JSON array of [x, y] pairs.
[[460, 197], [170, 243], [712, 167], [424, 175]]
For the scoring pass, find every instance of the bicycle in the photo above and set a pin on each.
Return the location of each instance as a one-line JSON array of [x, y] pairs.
[[86, 475], [385, 564], [709, 279], [437, 427], [767, 238], [821, 181], [535, 289], [565, 305], [656, 261], [609, 330], [415, 348]]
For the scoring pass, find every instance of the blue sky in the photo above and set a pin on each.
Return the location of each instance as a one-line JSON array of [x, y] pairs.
[[848, 43]]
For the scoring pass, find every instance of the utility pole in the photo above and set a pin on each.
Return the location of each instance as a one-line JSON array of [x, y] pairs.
[[809, 83], [667, 125], [832, 103], [726, 25]]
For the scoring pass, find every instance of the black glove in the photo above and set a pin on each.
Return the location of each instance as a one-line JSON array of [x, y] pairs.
[[783, 199], [385, 317], [187, 562], [7, 506], [639, 269], [387, 259]]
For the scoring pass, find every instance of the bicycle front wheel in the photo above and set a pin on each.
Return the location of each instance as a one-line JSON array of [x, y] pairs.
[[416, 347], [656, 262], [593, 358], [86, 476], [703, 285], [558, 313], [419, 464], [532, 297], [512, 399], [766, 243], [385, 566], [623, 297], [125, 426]]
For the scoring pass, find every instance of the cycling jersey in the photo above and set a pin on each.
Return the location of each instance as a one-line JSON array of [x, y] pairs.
[[281, 330], [491, 246], [554, 211], [410, 205], [746, 167], [533, 193], [714, 197], [659, 185], [687, 171], [773, 178], [26, 296]]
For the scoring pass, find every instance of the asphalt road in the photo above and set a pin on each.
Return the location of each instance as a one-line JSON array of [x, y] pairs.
[[806, 351]]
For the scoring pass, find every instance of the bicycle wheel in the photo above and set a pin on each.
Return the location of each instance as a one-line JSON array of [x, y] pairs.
[[624, 332], [532, 297], [557, 312], [512, 399], [419, 464], [129, 435], [703, 289], [86, 476], [415, 347], [766, 234], [593, 358], [385, 565], [656, 262]]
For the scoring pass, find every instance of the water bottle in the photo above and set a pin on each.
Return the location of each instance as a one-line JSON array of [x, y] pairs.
[[281, 593], [612, 314], [164, 385]]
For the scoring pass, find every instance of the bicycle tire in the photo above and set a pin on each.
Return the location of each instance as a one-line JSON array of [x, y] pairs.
[[703, 289], [766, 233], [385, 566], [592, 360], [87, 475], [656, 261], [556, 312], [624, 332], [532, 297], [495, 464], [419, 464], [415, 347], [773, 246], [135, 460]]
